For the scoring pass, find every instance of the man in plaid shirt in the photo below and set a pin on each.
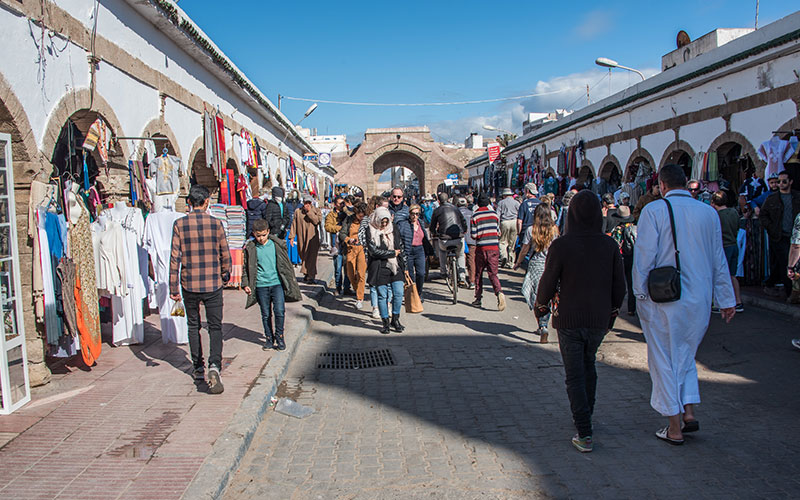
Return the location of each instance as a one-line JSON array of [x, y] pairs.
[[201, 258]]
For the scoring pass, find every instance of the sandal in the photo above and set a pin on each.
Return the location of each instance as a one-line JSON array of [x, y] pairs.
[[690, 426], [663, 434]]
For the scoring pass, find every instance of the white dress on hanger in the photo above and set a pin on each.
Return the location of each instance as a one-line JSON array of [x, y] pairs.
[[127, 311], [775, 152], [158, 243]]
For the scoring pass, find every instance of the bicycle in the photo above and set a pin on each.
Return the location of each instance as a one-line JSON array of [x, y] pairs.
[[452, 247]]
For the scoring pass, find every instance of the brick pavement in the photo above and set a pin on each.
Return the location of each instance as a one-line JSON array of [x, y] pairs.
[[136, 425], [480, 411]]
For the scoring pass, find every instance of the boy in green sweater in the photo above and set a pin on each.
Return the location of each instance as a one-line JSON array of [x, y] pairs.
[[260, 274]]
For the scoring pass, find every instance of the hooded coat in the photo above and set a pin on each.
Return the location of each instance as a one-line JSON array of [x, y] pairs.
[[278, 217], [585, 267], [256, 209]]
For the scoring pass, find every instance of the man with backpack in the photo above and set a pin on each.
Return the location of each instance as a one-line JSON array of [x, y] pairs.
[[623, 230]]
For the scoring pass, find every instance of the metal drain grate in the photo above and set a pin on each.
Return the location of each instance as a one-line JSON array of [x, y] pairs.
[[355, 360]]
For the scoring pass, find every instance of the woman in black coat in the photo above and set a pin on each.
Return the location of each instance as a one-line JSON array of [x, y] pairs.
[[386, 266]]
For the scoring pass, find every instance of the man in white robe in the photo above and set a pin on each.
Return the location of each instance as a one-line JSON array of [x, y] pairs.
[[674, 330]]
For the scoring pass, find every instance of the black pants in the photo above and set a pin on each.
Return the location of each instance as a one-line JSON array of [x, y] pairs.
[[578, 349], [779, 259], [213, 304], [627, 262]]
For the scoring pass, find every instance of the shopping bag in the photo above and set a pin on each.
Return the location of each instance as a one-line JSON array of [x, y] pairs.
[[413, 302], [178, 309]]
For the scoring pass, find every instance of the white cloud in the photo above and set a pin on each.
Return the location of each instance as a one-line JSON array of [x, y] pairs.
[[510, 115], [593, 24]]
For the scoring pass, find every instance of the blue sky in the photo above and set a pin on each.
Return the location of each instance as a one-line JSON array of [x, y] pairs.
[[434, 51]]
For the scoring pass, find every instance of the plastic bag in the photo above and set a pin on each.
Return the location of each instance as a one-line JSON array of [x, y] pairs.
[[292, 408], [178, 309]]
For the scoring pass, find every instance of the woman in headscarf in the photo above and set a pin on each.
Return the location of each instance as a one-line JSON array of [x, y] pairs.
[[386, 266], [537, 239]]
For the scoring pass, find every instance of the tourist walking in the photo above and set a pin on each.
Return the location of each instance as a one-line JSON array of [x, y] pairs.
[[448, 227], [277, 214], [304, 228], [507, 210], [729, 225], [268, 279], [420, 248], [374, 202], [623, 231], [485, 229], [386, 266], [535, 242], [469, 253], [673, 330], [199, 265], [584, 268], [777, 216], [355, 260], [333, 224]]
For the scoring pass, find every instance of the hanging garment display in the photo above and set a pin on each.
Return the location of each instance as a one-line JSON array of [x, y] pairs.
[[209, 138], [127, 313], [97, 138], [165, 169], [157, 240], [775, 152]]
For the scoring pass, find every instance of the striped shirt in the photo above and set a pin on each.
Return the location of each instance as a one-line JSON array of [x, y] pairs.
[[199, 254], [485, 228]]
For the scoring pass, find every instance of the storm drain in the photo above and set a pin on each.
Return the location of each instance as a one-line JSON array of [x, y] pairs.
[[355, 360]]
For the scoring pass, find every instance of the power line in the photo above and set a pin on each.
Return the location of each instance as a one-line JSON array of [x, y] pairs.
[[481, 101], [590, 88]]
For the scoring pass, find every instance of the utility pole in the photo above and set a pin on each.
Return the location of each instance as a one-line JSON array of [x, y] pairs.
[[757, 14], [588, 101], [279, 101]]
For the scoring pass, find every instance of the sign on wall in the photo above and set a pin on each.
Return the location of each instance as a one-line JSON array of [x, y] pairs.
[[493, 149]]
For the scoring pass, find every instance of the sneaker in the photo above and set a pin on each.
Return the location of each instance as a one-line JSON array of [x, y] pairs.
[[359, 304], [477, 302], [376, 313], [214, 382], [739, 308], [714, 310], [583, 445], [199, 374], [501, 301], [796, 343]]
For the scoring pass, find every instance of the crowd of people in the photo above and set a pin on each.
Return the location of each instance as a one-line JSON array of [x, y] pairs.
[[672, 255]]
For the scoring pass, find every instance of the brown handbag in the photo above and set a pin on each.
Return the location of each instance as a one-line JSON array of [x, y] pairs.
[[413, 302]]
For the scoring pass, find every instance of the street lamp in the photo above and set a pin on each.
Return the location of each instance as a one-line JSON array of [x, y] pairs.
[[610, 63], [496, 129], [305, 115]]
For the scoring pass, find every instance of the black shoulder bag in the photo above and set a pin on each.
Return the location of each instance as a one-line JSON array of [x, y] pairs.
[[664, 283]]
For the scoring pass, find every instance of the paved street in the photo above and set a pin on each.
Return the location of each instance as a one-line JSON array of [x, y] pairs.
[[476, 408]]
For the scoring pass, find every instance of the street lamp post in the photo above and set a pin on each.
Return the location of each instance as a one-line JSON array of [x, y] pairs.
[[305, 115], [496, 129], [610, 63]]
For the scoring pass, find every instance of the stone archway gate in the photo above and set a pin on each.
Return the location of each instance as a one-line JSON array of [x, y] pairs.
[[409, 147]]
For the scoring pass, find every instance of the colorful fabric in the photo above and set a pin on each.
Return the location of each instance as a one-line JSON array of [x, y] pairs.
[[237, 261], [97, 139], [199, 256]]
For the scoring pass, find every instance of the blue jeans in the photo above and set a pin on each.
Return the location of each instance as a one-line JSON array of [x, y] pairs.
[[373, 296], [416, 266], [339, 276], [271, 296], [396, 289]]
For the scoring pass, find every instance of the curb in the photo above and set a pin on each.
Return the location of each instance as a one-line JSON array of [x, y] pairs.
[[771, 305], [214, 475]]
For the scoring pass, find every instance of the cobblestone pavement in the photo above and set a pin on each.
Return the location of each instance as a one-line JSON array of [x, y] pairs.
[[476, 408]]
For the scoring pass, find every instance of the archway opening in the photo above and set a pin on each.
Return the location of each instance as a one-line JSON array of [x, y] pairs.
[[611, 174], [401, 177], [585, 178], [202, 174], [640, 168], [682, 158], [734, 166], [68, 154], [398, 162]]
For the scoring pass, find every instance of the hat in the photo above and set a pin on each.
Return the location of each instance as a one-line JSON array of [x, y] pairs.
[[624, 195], [531, 188], [461, 202], [307, 198], [277, 192], [507, 192], [773, 175], [624, 211]]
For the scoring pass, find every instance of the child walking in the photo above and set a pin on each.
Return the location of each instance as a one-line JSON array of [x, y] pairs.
[[268, 278]]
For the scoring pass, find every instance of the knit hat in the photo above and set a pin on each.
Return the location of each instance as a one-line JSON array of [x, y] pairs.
[[277, 192], [307, 198]]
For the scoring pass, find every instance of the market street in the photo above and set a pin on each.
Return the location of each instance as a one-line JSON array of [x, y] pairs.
[[476, 408]]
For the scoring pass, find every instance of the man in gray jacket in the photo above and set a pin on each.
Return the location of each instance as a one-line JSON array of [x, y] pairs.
[[466, 211], [507, 210]]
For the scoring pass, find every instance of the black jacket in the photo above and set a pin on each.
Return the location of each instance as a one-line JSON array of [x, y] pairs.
[[378, 272], [256, 209], [447, 223], [771, 214], [584, 267], [278, 224]]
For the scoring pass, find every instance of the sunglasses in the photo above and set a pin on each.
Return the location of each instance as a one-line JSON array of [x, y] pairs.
[[396, 196], [694, 189], [414, 213], [783, 181]]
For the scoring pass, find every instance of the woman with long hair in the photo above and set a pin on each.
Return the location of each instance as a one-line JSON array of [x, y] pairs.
[[419, 241], [386, 266], [537, 240], [350, 244]]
